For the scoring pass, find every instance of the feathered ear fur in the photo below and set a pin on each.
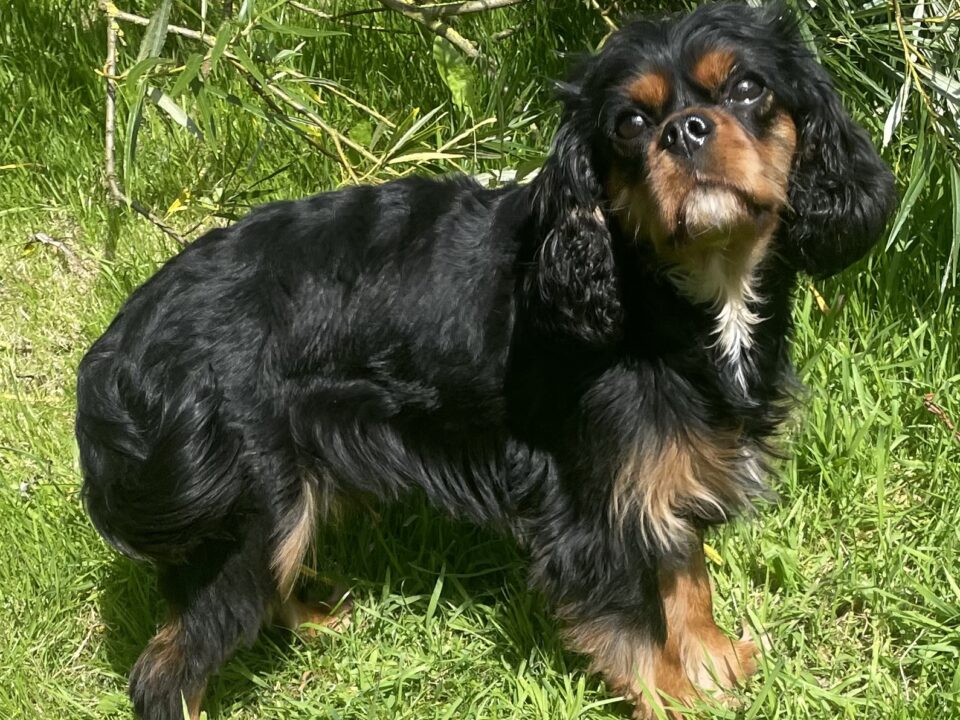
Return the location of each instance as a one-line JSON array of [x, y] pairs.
[[572, 288], [841, 192]]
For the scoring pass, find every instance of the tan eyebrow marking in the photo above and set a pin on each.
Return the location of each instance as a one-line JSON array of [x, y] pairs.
[[650, 89], [713, 68]]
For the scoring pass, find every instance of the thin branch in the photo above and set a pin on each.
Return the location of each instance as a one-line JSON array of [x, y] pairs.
[[435, 25], [603, 14], [115, 193], [465, 7], [941, 414], [341, 16], [312, 11], [110, 123], [70, 259], [175, 29]]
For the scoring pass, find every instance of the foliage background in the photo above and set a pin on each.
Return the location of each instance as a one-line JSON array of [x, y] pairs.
[[852, 575]]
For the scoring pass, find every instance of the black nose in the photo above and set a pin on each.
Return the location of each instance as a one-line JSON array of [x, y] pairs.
[[686, 134]]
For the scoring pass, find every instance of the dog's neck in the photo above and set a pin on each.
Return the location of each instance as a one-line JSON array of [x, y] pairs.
[[725, 280]]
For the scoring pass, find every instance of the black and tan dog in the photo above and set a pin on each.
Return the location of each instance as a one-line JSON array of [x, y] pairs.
[[594, 362]]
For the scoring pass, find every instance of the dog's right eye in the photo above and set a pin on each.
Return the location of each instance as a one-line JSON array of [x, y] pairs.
[[630, 125]]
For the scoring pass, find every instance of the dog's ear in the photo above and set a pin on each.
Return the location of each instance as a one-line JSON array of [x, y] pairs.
[[572, 287], [841, 192]]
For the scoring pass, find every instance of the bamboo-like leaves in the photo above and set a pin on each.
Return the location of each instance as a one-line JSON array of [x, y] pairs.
[[148, 57]]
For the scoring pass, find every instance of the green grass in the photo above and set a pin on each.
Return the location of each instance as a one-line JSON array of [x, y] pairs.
[[852, 575]]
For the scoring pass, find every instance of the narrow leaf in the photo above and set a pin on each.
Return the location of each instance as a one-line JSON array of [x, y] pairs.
[[153, 39], [224, 36], [190, 70], [156, 32], [919, 174], [896, 110], [176, 113], [137, 71], [950, 272]]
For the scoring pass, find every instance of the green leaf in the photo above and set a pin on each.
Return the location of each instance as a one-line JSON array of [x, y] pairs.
[[156, 32], [190, 70], [153, 39], [176, 113], [361, 133], [919, 174], [224, 36], [250, 66], [135, 74], [457, 74], [950, 271]]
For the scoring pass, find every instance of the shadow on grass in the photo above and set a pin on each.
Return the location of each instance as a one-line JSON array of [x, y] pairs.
[[401, 549]]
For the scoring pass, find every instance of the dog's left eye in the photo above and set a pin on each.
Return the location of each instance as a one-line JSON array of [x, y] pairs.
[[745, 91], [630, 126]]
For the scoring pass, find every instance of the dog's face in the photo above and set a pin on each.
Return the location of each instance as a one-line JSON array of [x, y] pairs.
[[711, 135], [699, 149]]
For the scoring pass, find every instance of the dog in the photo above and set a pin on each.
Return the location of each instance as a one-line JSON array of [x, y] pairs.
[[596, 362]]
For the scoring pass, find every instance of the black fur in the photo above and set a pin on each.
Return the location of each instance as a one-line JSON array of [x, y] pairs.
[[498, 350]]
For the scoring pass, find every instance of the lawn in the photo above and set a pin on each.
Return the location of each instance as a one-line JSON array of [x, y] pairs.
[[852, 574]]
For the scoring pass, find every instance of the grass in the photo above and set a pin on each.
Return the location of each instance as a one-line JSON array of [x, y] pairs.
[[852, 574]]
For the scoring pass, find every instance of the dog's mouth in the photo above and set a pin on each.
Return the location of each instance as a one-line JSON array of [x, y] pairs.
[[715, 211]]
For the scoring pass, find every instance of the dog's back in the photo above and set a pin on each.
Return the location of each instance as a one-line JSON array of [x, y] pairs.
[[301, 303]]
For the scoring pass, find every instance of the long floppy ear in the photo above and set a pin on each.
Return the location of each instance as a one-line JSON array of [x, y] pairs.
[[572, 288], [841, 192]]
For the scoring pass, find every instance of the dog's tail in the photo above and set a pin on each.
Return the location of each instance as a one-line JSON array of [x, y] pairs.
[[159, 464]]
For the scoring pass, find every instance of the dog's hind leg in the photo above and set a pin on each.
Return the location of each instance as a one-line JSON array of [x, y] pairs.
[[301, 511], [333, 612], [218, 601]]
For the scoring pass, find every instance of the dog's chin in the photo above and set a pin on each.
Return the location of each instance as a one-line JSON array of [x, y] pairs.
[[717, 215]]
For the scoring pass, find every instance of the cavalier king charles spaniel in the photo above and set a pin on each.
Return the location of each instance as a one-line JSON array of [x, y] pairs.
[[594, 362]]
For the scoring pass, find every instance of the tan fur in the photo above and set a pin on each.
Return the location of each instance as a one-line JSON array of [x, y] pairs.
[[334, 612], [292, 548], [659, 488], [696, 657], [713, 68], [625, 658], [651, 90], [709, 658], [163, 657]]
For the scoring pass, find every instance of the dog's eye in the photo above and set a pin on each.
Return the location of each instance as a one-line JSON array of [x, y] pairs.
[[746, 91], [630, 126]]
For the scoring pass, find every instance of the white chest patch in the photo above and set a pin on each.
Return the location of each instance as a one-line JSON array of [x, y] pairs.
[[729, 289]]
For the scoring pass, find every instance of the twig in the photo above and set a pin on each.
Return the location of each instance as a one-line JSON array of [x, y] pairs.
[[464, 8], [69, 256], [342, 16], [110, 126], [603, 14], [436, 25], [139, 20], [336, 136], [941, 414], [312, 11], [114, 192]]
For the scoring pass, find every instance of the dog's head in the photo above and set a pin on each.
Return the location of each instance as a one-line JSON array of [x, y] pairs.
[[717, 139]]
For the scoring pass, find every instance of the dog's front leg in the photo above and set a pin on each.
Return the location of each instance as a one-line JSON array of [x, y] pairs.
[[668, 652]]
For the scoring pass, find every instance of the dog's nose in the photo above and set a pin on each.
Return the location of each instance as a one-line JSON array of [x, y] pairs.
[[686, 134]]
